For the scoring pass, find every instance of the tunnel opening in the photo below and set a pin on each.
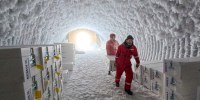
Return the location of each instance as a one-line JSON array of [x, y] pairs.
[[84, 39]]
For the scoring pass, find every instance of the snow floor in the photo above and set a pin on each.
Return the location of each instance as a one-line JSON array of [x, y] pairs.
[[89, 80]]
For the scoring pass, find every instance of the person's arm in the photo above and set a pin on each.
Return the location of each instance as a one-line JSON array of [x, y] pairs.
[[137, 59], [117, 54], [117, 44]]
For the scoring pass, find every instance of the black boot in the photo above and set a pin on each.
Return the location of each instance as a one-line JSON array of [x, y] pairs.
[[109, 73], [117, 84], [129, 92]]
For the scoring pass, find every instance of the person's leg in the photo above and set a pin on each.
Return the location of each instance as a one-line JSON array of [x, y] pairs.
[[113, 68], [119, 71], [109, 70], [128, 80]]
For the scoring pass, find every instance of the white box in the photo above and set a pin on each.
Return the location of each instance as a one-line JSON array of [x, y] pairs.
[[137, 73], [110, 63], [65, 75], [68, 66], [157, 72], [38, 78], [182, 77], [156, 88], [18, 67], [148, 71], [170, 95], [35, 59], [47, 78], [181, 68], [68, 59], [47, 55], [16, 62], [67, 48], [68, 52], [146, 76], [183, 87], [173, 95], [112, 66], [198, 93], [57, 49], [48, 94], [16, 90], [157, 80], [13, 52], [45, 96]]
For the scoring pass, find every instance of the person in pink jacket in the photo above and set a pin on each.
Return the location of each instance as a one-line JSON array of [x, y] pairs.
[[111, 47]]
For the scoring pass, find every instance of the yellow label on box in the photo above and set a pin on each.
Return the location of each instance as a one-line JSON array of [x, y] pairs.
[[39, 66], [57, 57], [57, 90], [46, 60], [38, 94], [58, 73]]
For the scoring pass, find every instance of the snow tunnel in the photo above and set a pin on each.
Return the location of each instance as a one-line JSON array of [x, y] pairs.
[[162, 30]]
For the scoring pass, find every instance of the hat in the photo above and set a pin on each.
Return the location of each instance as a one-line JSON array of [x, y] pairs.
[[112, 34], [129, 37]]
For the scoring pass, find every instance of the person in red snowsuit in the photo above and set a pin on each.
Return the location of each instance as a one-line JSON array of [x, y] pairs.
[[124, 53], [111, 48]]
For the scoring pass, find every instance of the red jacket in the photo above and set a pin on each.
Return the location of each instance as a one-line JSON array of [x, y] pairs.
[[124, 55], [111, 47]]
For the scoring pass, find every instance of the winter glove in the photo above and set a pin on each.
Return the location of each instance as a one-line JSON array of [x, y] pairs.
[[115, 64], [137, 65]]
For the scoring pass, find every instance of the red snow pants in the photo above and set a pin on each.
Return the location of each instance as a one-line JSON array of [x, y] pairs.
[[129, 75]]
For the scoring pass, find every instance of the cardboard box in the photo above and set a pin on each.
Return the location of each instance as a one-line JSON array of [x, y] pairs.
[[16, 90], [68, 66]]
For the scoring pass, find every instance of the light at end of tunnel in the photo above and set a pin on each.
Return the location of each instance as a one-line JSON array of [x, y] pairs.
[[83, 41]]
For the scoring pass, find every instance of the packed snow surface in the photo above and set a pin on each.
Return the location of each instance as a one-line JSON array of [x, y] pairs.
[[90, 81]]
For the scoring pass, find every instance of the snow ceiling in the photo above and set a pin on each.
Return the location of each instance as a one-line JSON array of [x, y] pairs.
[[162, 28]]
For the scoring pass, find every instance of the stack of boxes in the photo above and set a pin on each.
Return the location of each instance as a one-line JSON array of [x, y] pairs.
[[182, 79], [31, 72], [36, 72], [47, 74], [138, 76], [137, 73], [172, 79], [68, 59], [16, 84], [146, 79], [68, 56], [149, 79], [20, 74], [57, 72], [157, 78]]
